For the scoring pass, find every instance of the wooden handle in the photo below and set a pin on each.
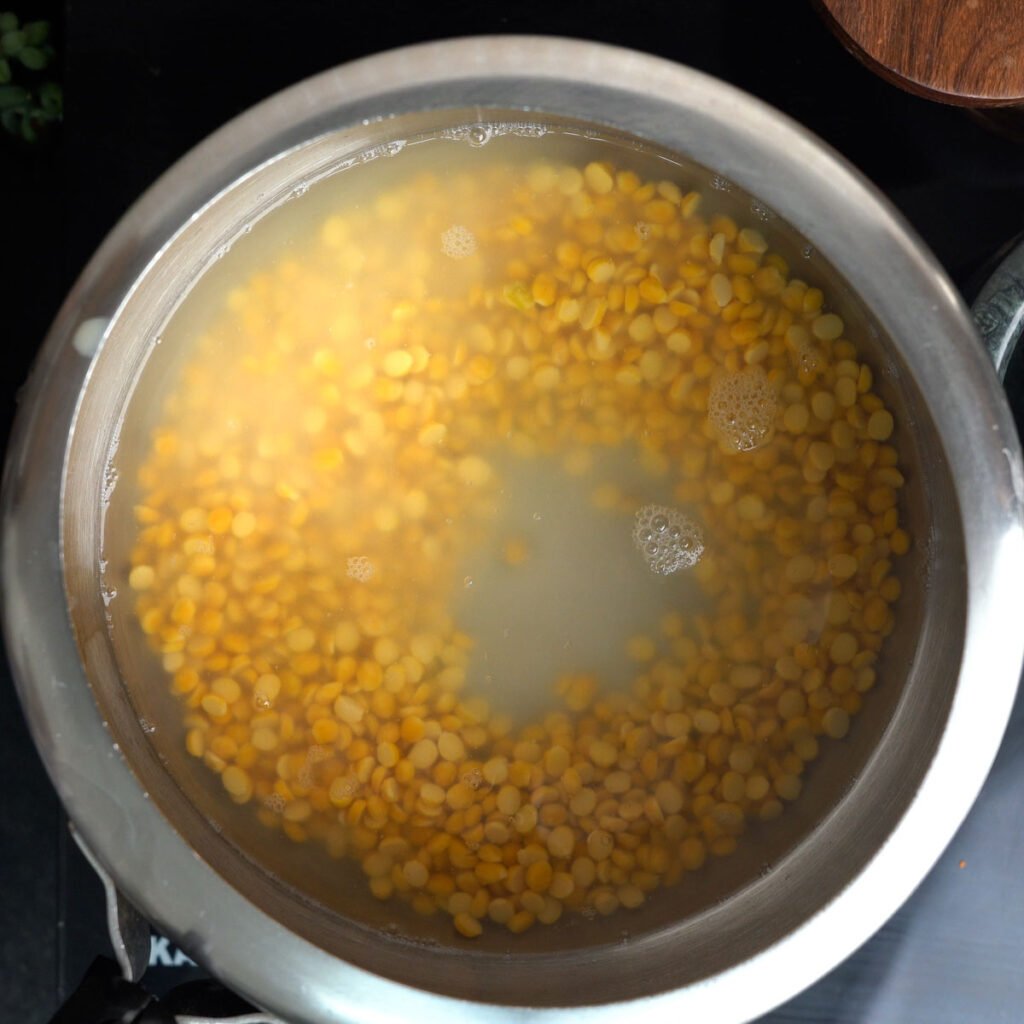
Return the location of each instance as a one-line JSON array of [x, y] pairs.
[[966, 52]]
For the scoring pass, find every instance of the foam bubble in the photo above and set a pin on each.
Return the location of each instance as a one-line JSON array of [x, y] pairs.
[[667, 539], [643, 230], [458, 242], [360, 568], [742, 408], [349, 786]]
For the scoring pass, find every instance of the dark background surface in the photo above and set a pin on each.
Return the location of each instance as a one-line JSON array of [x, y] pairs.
[[145, 80]]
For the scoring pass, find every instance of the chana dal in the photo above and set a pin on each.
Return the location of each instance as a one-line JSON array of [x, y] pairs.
[[350, 432]]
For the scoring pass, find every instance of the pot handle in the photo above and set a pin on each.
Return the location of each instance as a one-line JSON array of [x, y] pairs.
[[999, 310]]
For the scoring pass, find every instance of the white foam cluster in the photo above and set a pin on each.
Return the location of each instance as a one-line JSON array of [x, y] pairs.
[[458, 242], [360, 568], [274, 802], [742, 408], [668, 539], [349, 786]]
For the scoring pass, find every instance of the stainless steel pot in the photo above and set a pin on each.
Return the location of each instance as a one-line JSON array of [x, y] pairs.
[[845, 864]]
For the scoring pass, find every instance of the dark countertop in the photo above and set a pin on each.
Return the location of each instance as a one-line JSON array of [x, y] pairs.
[[145, 80]]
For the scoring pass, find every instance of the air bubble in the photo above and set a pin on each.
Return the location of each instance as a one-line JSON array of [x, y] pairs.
[[147, 726], [467, 582], [370, 343], [262, 703], [473, 779], [110, 476], [274, 802], [760, 211], [479, 135], [537, 517], [394, 148], [643, 230], [360, 568], [807, 252], [681, 542], [720, 184], [458, 242], [741, 409], [527, 130]]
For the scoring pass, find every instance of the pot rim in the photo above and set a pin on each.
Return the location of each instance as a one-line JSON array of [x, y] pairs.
[[769, 156]]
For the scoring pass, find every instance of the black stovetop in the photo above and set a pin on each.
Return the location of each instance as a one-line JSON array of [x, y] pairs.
[[145, 80]]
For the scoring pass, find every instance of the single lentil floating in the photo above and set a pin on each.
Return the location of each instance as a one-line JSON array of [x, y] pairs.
[[308, 501]]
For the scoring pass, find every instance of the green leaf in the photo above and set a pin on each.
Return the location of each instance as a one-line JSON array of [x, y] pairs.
[[51, 96], [13, 96], [36, 32], [12, 42], [11, 120], [34, 59], [8, 21], [5, 71], [28, 131]]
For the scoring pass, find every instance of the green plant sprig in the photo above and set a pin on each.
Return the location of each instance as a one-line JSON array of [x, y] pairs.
[[27, 109]]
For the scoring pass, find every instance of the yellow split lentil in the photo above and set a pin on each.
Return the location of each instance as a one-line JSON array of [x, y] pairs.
[[293, 568]]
